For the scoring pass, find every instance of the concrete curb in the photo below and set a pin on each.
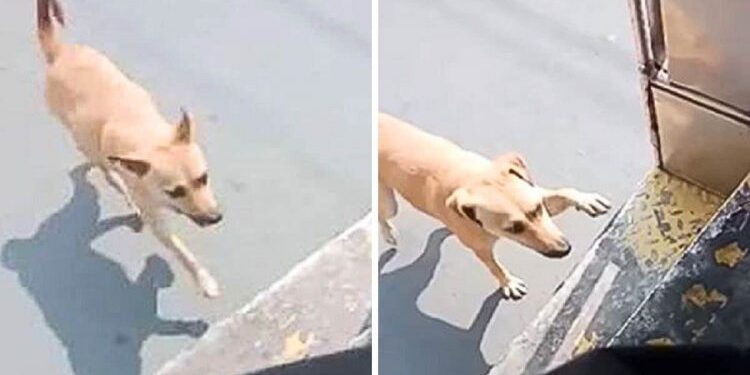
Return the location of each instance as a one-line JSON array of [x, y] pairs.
[[316, 309]]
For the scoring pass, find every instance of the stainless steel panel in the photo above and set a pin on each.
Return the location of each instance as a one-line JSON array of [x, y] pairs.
[[708, 47], [701, 146], [643, 56], [655, 30]]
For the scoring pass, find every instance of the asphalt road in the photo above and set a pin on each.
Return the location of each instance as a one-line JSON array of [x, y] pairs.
[[281, 90], [553, 80]]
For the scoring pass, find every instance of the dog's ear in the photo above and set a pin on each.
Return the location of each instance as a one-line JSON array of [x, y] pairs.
[[464, 203], [137, 167], [185, 131], [514, 164]]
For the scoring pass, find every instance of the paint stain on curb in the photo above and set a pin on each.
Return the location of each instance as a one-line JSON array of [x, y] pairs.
[[296, 347], [729, 255], [699, 296]]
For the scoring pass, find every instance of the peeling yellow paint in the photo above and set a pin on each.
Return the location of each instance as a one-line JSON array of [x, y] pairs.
[[585, 344], [664, 217], [699, 296], [295, 347], [661, 341], [729, 255]]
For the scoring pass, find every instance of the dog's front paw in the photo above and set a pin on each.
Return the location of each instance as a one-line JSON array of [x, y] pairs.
[[208, 284], [593, 204], [514, 288]]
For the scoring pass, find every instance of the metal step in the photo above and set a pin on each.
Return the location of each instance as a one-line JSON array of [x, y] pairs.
[[626, 262], [705, 297]]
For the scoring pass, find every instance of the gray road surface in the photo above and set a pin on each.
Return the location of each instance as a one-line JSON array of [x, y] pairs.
[[281, 90], [553, 80]]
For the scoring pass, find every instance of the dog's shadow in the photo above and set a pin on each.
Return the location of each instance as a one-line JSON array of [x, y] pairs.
[[413, 343], [99, 315]]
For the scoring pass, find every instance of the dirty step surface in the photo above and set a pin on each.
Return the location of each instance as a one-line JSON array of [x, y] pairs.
[[704, 299], [626, 262]]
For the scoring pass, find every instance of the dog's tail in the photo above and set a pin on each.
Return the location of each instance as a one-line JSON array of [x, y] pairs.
[[46, 29]]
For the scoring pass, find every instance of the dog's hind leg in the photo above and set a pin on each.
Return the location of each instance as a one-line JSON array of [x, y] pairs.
[[559, 200], [387, 208], [200, 274]]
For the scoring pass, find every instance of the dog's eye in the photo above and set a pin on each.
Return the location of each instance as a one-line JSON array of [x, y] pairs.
[[516, 227], [177, 192], [520, 176], [202, 180]]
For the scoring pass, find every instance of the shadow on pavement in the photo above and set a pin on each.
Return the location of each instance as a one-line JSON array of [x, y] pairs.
[[100, 315], [413, 343]]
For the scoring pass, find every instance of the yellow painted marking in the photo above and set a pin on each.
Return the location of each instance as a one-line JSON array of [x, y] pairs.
[[699, 296], [664, 217], [295, 347], [729, 255], [585, 344], [661, 341]]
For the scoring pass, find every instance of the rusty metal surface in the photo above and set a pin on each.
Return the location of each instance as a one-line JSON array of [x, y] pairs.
[[701, 145], [635, 251], [707, 48], [695, 87], [704, 299], [649, 56]]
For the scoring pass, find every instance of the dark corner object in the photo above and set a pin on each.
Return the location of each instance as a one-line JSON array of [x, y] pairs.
[[354, 361], [714, 360]]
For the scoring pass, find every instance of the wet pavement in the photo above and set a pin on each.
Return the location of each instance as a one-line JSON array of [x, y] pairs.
[[556, 82], [271, 83]]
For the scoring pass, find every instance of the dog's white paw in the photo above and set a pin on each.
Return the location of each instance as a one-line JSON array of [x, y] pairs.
[[389, 234], [593, 204], [208, 284], [514, 288]]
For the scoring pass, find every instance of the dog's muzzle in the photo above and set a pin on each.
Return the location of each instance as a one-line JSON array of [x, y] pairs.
[[563, 252], [206, 220]]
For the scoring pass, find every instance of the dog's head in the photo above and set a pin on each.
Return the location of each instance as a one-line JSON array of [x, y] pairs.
[[175, 175], [505, 203]]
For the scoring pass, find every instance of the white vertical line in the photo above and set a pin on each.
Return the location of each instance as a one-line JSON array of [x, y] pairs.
[[594, 300], [374, 36], [525, 345]]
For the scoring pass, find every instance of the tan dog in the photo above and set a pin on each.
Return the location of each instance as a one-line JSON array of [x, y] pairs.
[[477, 199], [116, 125]]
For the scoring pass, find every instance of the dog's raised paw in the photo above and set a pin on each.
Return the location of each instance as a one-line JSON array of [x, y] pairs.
[[514, 289], [208, 284], [593, 204]]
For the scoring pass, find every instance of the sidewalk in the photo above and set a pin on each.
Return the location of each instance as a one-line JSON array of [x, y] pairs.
[[316, 309]]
